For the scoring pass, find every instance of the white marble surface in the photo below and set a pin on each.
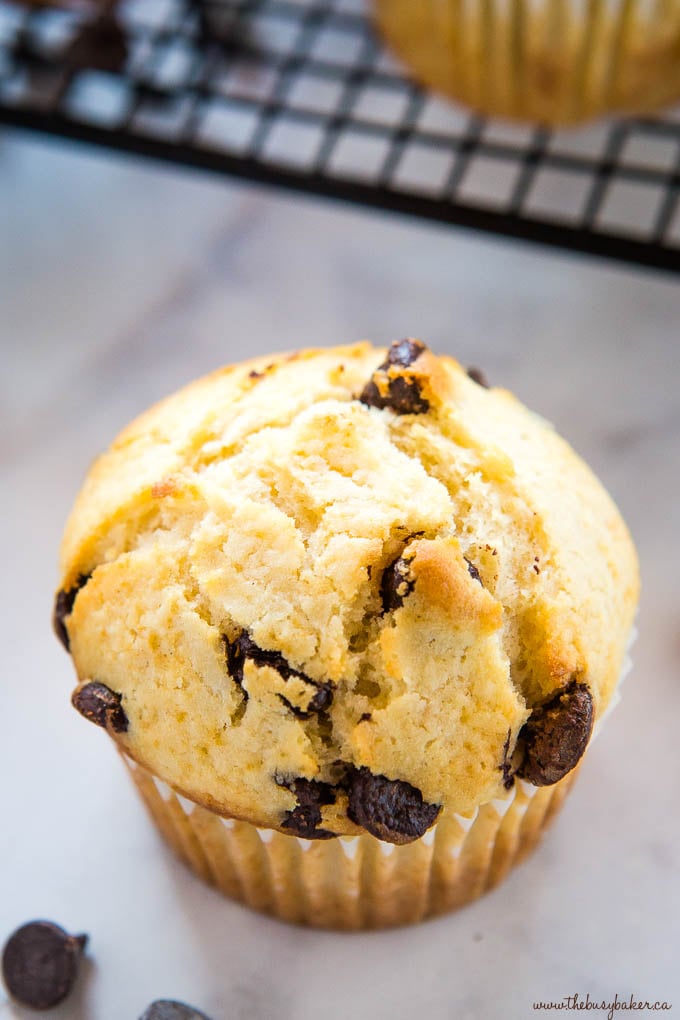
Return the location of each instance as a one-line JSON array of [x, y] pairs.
[[118, 282]]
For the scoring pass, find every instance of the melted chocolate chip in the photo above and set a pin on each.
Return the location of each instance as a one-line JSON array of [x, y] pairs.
[[265, 657], [245, 648], [556, 735], [40, 964], [403, 391], [396, 584], [478, 376], [473, 572], [506, 765], [235, 661], [320, 702], [63, 607], [167, 1009], [304, 819], [390, 809], [323, 699], [101, 44], [100, 705]]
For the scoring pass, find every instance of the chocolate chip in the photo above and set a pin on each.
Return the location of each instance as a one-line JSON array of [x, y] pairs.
[[63, 607], [100, 705], [397, 582], [245, 648], [101, 44], [478, 376], [263, 656], [506, 765], [320, 702], [40, 964], [235, 662], [472, 571], [556, 735], [304, 819], [390, 809], [323, 699], [400, 392], [167, 1009], [404, 353]]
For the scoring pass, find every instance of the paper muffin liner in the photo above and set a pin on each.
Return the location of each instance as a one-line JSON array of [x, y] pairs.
[[551, 61], [359, 882], [353, 882]]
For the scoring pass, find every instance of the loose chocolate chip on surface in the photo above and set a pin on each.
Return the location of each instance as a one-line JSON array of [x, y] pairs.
[[556, 735], [304, 819], [399, 392], [396, 584], [167, 1009], [472, 571], [63, 607], [40, 964], [390, 809], [478, 376], [100, 705]]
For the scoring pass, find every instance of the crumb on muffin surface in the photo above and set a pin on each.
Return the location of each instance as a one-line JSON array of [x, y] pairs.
[[311, 569]]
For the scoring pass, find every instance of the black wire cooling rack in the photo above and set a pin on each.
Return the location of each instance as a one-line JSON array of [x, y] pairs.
[[300, 94]]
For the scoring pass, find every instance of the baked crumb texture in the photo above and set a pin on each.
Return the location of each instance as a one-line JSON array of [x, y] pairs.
[[345, 590]]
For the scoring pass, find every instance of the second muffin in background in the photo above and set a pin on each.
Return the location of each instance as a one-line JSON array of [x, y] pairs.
[[346, 593], [553, 62]]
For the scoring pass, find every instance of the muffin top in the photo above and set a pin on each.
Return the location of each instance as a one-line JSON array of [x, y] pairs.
[[345, 590]]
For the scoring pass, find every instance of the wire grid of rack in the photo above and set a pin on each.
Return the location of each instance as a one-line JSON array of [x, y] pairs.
[[300, 94]]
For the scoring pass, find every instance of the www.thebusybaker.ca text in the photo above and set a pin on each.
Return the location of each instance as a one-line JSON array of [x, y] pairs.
[[577, 1001]]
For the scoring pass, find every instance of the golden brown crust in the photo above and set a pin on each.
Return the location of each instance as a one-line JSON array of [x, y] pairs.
[[232, 554], [444, 585]]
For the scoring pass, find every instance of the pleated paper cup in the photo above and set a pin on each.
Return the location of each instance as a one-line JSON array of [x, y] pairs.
[[550, 61], [356, 882]]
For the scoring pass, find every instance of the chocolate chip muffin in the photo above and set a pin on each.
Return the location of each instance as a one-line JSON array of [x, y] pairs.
[[550, 61], [352, 596]]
